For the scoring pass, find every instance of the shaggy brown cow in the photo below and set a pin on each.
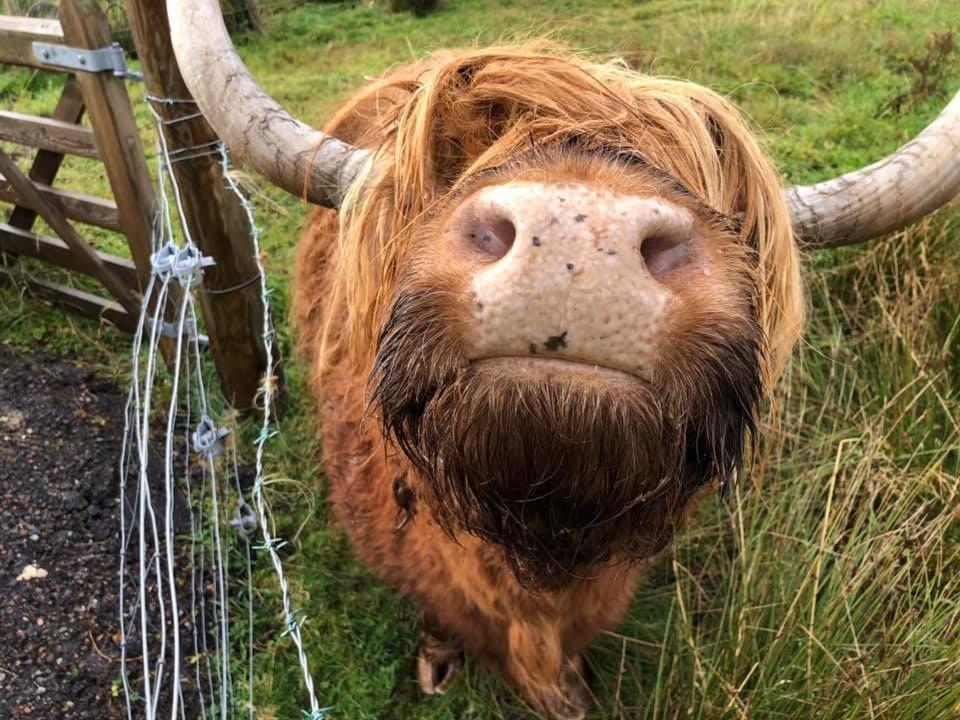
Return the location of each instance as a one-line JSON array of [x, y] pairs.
[[538, 329], [536, 333]]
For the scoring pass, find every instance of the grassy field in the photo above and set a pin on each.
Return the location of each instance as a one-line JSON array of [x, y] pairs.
[[828, 585]]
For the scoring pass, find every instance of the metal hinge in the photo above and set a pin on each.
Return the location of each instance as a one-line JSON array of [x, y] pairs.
[[109, 59]]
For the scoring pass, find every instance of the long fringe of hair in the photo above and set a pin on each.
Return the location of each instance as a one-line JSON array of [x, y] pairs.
[[435, 124]]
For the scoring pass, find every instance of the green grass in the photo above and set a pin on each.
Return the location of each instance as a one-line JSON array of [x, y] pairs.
[[828, 585]]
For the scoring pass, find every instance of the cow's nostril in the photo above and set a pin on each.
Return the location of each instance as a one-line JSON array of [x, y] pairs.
[[495, 237], [662, 253]]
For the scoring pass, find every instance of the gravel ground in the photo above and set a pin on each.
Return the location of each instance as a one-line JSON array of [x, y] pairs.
[[60, 436]]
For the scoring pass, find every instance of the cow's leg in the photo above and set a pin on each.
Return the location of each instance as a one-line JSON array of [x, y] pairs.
[[439, 657], [537, 665]]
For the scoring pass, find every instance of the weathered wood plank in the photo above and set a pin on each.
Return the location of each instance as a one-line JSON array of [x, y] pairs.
[[46, 163], [88, 209], [54, 250], [54, 218], [83, 302], [48, 134], [17, 35]]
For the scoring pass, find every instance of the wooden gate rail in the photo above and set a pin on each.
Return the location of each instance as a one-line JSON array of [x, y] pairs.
[[54, 250], [48, 134], [19, 34], [88, 259], [83, 302], [83, 208], [47, 163]]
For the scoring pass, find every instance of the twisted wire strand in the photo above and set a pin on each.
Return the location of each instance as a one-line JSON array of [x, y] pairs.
[[294, 620]]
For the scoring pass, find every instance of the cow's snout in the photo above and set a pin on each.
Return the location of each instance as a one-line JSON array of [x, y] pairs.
[[573, 271]]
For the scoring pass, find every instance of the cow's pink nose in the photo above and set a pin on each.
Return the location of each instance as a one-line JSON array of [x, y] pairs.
[[575, 271], [661, 242]]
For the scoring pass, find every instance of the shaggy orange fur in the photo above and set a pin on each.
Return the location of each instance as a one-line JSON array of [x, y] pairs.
[[436, 127]]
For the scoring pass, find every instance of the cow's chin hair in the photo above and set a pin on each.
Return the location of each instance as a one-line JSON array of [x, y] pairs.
[[565, 469]]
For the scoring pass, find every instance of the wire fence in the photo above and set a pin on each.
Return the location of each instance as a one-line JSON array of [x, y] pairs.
[[188, 521]]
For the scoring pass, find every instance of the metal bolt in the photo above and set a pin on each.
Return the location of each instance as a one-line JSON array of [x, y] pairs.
[[46, 54], [82, 59]]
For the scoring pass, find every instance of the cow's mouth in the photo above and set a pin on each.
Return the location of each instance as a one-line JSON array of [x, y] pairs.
[[549, 368], [562, 464]]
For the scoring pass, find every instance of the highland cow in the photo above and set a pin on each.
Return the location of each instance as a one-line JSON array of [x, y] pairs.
[[537, 332], [539, 328]]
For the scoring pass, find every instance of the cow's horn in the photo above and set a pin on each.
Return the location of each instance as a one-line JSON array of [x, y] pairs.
[[253, 125], [900, 189], [914, 181]]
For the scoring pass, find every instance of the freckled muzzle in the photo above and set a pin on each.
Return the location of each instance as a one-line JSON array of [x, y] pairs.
[[573, 271], [562, 468]]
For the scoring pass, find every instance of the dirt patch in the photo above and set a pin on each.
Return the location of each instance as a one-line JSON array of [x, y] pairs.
[[60, 436]]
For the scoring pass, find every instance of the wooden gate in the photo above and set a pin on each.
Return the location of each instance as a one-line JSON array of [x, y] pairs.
[[113, 139], [230, 300]]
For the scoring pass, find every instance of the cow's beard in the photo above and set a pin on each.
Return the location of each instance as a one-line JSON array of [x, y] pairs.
[[563, 470]]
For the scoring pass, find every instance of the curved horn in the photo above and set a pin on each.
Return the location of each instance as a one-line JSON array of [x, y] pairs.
[[288, 153], [914, 181]]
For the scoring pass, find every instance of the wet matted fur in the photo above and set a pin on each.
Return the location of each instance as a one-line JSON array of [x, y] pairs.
[[534, 498], [561, 475]]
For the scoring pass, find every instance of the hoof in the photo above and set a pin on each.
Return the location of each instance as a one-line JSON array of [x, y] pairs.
[[438, 662], [572, 699]]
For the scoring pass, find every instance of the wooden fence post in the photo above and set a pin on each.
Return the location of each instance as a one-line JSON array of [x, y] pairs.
[[231, 303]]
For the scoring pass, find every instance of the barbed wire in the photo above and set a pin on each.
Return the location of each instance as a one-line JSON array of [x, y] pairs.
[[268, 389]]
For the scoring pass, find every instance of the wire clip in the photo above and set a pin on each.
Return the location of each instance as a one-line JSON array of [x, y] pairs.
[[169, 329], [245, 521], [186, 264], [206, 438]]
